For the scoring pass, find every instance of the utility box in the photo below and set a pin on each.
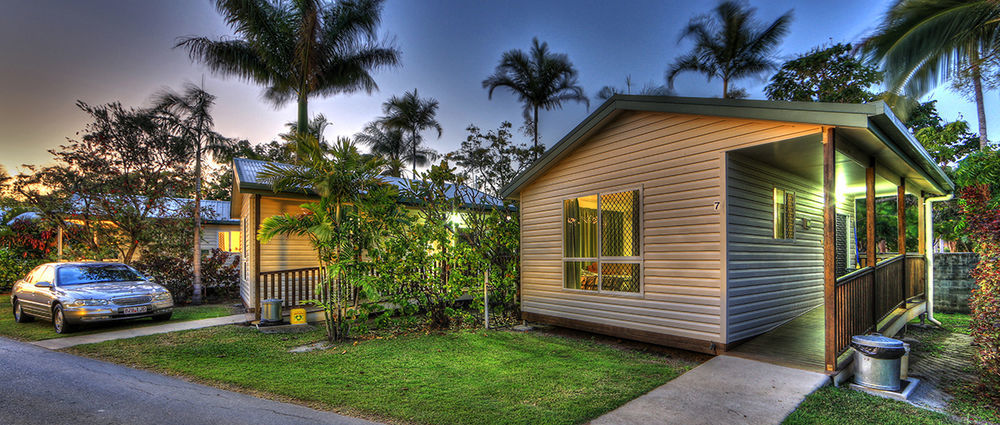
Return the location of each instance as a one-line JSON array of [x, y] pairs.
[[298, 316]]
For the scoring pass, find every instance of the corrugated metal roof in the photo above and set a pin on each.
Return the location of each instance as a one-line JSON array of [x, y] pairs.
[[212, 211], [248, 171]]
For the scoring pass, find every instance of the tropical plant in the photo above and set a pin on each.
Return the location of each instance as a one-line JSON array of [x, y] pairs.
[[539, 78], [411, 114], [981, 214], [921, 43], [831, 74], [298, 49], [649, 89], [190, 116], [391, 145], [730, 45], [344, 181]]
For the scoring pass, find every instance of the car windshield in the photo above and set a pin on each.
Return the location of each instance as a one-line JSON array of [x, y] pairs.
[[96, 273]]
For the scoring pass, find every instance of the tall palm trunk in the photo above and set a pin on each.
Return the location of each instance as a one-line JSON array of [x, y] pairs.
[[196, 297], [977, 84], [534, 123], [303, 125]]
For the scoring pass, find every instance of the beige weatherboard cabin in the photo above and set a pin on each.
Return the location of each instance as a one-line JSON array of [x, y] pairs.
[[724, 225]]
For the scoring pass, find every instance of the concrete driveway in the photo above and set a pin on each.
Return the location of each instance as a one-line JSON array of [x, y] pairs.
[[39, 386]]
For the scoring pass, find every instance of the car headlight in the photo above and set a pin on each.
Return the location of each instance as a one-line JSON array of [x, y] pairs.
[[162, 296], [88, 302]]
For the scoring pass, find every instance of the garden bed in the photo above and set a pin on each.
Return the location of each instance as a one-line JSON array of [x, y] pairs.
[[456, 377], [40, 329]]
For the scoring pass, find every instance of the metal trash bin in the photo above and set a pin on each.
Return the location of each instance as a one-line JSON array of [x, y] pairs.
[[270, 311], [877, 361]]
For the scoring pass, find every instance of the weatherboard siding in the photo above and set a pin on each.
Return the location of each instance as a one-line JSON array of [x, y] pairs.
[[771, 281], [677, 161], [285, 252]]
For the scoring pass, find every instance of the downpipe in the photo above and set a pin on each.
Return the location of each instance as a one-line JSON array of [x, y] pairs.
[[929, 231]]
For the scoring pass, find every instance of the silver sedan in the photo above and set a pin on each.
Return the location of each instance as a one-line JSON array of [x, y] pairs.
[[70, 294]]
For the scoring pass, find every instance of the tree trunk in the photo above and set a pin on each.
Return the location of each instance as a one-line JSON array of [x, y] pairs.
[[196, 296], [534, 123], [977, 84], [413, 142], [303, 124]]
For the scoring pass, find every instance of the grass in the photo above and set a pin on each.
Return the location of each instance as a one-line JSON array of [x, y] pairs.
[[841, 406], [460, 377], [955, 322], [40, 329]]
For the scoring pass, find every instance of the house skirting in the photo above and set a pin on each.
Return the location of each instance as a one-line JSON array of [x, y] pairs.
[[701, 346]]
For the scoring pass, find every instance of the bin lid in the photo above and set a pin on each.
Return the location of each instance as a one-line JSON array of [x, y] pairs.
[[877, 341], [273, 300]]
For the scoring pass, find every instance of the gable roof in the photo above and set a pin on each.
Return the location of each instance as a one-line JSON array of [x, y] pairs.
[[875, 117], [247, 180]]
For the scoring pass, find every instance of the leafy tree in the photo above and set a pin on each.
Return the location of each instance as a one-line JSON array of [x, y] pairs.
[[298, 49], [730, 45], [832, 74], [921, 43], [412, 114], [540, 79], [190, 115], [492, 160], [391, 146], [649, 89], [116, 180]]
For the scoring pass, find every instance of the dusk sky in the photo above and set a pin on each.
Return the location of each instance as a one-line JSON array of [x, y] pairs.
[[57, 51]]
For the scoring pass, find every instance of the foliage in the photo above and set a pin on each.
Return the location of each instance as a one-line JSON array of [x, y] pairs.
[[28, 239], [982, 216], [831, 74], [491, 161], [115, 181], [220, 274], [298, 49], [730, 45], [412, 114], [220, 181], [391, 146], [13, 267], [539, 79], [649, 89]]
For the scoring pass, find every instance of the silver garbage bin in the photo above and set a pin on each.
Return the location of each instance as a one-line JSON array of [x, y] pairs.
[[270, 311], [877, 361]]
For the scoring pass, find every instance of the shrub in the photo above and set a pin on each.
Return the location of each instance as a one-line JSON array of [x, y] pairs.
[[219, 274], [14, 267], [982, 219]]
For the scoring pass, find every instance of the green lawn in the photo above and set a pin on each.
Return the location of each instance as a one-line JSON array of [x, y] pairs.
[[841, 406], [40, 329], [460, 377]]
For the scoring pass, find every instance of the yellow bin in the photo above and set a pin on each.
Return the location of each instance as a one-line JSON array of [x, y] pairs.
[[298, 316]]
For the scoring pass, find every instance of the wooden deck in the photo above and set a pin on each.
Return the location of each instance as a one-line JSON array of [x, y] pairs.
[[798, 343]]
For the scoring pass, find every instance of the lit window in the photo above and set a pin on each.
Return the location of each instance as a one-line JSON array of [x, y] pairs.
[[229, 241], [601, 250], [784, 214]]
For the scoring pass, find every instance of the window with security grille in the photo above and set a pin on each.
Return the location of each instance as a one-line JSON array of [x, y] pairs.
[[601, 247], [784, 214], [229, 241]]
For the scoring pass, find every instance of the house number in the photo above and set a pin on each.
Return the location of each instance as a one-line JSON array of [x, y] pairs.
[[717, 203]]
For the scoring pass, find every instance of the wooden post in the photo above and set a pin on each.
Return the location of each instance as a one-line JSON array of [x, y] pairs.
[[256, 253], [60, 246], [901, 228], [829, 245], [921, 225], [871, 253]]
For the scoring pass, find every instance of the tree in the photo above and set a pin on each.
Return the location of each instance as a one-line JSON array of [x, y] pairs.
[[649, 89], [832, 74], [315, 128], [492, 160], [345, 182], [730, 45], [298, 49], [391, 146], [540, 79], [116, 181], [190, 115], [921, 43], [411, 114]]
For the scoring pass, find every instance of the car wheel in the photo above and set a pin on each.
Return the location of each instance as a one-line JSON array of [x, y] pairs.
[[59, 321], [19, 315], [162, 317]]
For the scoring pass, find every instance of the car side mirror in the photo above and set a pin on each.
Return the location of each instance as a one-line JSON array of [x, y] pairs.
[[43, 284]]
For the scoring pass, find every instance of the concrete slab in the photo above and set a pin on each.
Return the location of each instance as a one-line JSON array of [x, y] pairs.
[[60, 343], [724, 390]]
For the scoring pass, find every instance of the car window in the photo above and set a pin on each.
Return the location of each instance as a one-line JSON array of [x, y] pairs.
[[30, 277], [46, 275], [96, 273]]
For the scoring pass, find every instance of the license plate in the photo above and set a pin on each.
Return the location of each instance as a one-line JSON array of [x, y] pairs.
[[134, 310]]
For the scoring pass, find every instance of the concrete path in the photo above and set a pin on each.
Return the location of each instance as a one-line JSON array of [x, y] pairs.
[[51, 387], [60, 343], [724, 390]]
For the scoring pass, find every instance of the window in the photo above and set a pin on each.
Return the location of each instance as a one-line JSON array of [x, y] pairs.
[[601, 250], [784, 214], [229, 241]]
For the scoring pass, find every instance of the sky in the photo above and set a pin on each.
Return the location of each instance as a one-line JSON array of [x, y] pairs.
[[56, 52]]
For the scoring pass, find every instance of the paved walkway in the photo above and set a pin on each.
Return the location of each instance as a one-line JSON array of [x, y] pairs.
[[51, 387], [60, 343], [723, 390]]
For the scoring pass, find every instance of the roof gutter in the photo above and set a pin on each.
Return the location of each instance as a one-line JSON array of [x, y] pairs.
[[902, 142]]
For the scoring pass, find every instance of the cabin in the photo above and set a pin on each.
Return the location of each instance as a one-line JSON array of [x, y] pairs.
[[286, 267], [720, 225]]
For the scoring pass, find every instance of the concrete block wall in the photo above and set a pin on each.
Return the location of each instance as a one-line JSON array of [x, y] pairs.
[[952, 282]]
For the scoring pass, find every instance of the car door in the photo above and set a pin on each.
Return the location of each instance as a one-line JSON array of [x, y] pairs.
[[24, 288], [36, 300]]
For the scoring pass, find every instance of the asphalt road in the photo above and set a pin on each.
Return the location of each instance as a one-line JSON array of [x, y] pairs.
[[39, 386]]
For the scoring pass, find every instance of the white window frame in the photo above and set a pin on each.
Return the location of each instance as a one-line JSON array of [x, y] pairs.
[[600, 259]]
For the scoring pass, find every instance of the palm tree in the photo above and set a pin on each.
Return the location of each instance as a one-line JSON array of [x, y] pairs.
[[315, 128], [730, 45], [390, 145], [539, 79], [411, 114], [649, 89], [298, 49], [190, 114], [921, 43], [342, 178]]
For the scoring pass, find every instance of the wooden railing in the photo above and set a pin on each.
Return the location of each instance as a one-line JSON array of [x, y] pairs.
[[865, 297], [292, 286]]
